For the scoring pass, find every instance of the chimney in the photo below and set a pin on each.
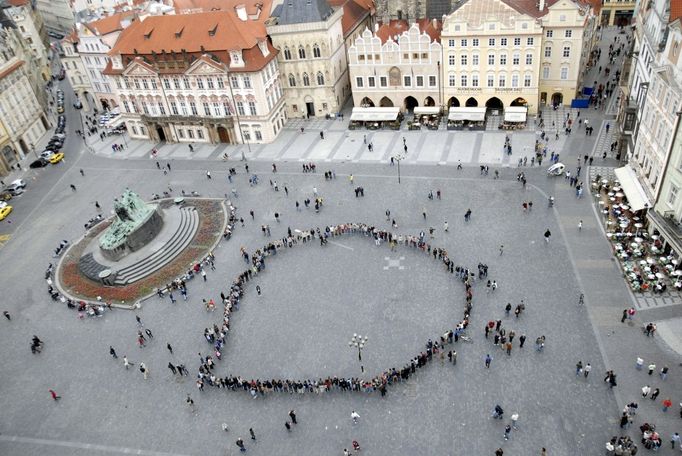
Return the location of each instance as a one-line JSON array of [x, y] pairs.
[[541, 5], [434, 23]]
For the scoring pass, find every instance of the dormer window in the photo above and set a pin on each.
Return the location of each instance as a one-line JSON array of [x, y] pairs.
[[236, 58], [263, 46], [178, 34], [213, 30]]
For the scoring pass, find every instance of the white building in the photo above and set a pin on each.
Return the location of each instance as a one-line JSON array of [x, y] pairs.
[[312, 56], [57, 15], [205, 77], [397, 66], [30, 24], [21, 113]]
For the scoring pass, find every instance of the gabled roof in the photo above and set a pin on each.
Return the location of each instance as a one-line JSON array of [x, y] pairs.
[[193, 33], [109, 24], [354, 12], [304, 11], [397, 27]]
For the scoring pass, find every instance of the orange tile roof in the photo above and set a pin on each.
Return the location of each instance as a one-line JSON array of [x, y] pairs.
[[396, 27], [675, 10], [18, 2], [190, 32], [109, 24], [11, 68], [354, 11], [71, 37]]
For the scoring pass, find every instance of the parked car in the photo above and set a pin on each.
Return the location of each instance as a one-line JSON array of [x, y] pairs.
[[5, 196], [5, 211], [77, 104], [56, 158], [40, 163], [17, 183], [60, 109]]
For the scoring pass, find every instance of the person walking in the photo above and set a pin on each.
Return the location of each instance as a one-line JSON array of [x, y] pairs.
[[7, 315], [287, 425], [579, 368], [652, 367], [292, 415], [488, 360], [515, 421], [127, 363], [646, 389], [664, 373], [172, 368], [144, 370], [240, 444], [548, 234], [501, 250], [54, 395], [522, 340], [675, 440], [253, 434], [587, 369], [507, 431], [354, 416], [170, 348], [655, 394], [112, 352], [149, 333], [445, 226], [208, 175]]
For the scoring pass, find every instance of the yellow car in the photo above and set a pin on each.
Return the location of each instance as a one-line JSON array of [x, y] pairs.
[[4, 212], [60, 109], [56, 158]]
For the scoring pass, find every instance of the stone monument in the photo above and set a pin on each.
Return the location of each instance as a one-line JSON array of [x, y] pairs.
[[135, 225]]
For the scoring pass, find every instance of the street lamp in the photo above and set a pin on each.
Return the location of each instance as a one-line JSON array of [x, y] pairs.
[[358, 342], [399, 158]]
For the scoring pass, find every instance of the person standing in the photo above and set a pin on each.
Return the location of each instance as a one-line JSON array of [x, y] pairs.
[[240, 444], [172, 368], [579, 368], [646, 389], [7, 315], [253, 434], [501, 249], [664, 372], [522, 340], [675, 439], [112, 352], [507, 431], [54, 395], [287, 425], [354, 416], [292, 415], [548, 234], [587, 369], [127, 363], [144, 370], [488, 360], [170, 348], [652, 366], [655, 394]]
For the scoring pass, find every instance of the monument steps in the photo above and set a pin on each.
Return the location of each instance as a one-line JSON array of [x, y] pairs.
[[188, 226]]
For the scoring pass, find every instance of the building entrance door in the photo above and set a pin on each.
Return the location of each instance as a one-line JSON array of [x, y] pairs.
[[310, 108], [161, 133]]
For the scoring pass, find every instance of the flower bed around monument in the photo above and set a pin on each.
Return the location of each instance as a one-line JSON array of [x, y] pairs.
[[74, 283]]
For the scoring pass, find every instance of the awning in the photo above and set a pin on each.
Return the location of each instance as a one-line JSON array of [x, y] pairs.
[[374, 114], [426, 110], [471, 114], [633, 190], [515, 114]]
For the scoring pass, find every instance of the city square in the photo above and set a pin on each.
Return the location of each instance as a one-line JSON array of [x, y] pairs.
[[257, 270]]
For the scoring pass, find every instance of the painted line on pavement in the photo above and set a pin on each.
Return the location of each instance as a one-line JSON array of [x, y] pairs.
[[83, 446], [341, 245]]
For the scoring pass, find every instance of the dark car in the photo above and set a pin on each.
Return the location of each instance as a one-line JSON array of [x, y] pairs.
[[58, 144], [5, 196], [40, 163]]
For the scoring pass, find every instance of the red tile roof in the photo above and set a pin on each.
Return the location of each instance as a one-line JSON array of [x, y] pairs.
[[397, 27], [675, 10], [354, 12], [18, 2], [109, 24]]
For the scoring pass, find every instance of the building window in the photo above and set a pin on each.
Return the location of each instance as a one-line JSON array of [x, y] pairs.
[[502, 81], [287, 54], [136, 82], [549, 34], [530, 41], [491, 41], [672, 196], [247, 82], [240, 108], [226, 108], [515, 80], [200, 134], [306, 79], [463, 80], [545, 72], [185, 82], [292, 80], [383, 81], [176, 83], [503, 59], [503, 41], [529, 59], [564, 73], [166, 83], [548, 51], [464, 42], [252, 108], [371, 82], [301, 53], [190, 133], [463, 59], [316, 51], [134, 130], [517, 41], [216, 109], [183, 108], [181, 133], [145, 84], [221, 83], [209, 83], [451, 43], [118, 83], [420, 81], [407, 81], [320, 78], [258, 135], [126, 106], [154, 85], [569, 33], [200, 83], [491, 59], [567, 51], [234, 81], [193, 108], [474, 80], [451, 59], [451, 80], [491, 80], [174, 108], [474, 42], [359, 82], [526, 80], [207, 108], [515, 59], [432, 81]]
